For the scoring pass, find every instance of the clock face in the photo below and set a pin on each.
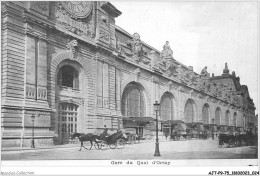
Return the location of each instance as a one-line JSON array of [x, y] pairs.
[[78, 9]]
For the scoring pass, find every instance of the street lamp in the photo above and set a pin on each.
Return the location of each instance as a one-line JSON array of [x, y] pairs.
[[156, 108], [213, 128], [32, 141]]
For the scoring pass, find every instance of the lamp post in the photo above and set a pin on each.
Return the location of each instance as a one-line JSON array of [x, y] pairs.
[[213, 128], [32, 141], [156, 108]]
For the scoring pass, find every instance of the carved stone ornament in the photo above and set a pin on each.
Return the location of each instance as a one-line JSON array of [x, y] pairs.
[[78, 9], [71, 16], [181, 76], [30, 91], [168, 66], [41, 6], [73, 48]]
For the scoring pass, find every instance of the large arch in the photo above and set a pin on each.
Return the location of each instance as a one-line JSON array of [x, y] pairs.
[[190, 111], [218, 116], [144, 88], [167, 106], [89, 84], [206, 114], [227, 118], [133, 102]]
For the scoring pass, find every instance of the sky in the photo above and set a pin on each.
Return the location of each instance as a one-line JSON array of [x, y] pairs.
[[200, 34]]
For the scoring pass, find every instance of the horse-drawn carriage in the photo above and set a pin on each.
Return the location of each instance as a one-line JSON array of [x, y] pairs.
[[116, 140], [237, 140]]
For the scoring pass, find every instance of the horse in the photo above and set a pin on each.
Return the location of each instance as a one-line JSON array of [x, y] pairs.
[[85, 137]]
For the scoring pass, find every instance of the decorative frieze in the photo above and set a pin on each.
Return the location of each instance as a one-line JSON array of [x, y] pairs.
[[38, 113], [42, 93], [12, 111], [40, 6], [104, 36], [30, 91]]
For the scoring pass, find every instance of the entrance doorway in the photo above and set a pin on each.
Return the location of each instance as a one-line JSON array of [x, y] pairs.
[[67, 121]]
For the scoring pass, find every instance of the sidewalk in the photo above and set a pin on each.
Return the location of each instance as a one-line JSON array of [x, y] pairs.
[[39, 148]]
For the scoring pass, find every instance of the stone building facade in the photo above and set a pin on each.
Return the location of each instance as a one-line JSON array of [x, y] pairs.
[[68, 64]]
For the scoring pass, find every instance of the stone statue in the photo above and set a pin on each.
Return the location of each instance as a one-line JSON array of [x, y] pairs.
[[204, 72], [167, 51], [167, 60], [192, 78], [136, 45]]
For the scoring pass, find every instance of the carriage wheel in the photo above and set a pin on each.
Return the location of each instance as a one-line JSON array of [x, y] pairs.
[[148, 136], [112, 145], [120, 143], [103, 145]]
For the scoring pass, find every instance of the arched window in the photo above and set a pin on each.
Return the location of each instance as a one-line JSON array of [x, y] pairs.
[[189, 113], [235, 119], [205, 114], [68, 77], [217, 116], [227, 116], [166, 107], [133, 101]]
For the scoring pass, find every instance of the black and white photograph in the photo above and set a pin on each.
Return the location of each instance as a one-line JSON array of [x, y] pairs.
[[129, 87]]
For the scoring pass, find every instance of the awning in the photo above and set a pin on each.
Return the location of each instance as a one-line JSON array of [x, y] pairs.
[[138, 120], [210, 124], [173, 122], [194, 123]]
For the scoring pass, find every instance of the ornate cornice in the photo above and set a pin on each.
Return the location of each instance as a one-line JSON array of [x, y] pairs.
[[107, 6]]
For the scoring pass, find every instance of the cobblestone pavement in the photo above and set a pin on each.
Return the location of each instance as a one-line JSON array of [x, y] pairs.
[[144, 150]]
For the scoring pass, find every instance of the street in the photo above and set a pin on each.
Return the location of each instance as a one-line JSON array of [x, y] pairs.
[[193, 149]]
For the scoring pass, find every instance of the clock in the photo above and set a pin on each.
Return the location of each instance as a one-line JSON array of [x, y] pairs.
[[78, 9]]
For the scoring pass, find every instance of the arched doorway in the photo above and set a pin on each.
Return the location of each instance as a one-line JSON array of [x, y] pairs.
[[69, 93], [133, 106], [166, 113], [166, 107], [133, 101]]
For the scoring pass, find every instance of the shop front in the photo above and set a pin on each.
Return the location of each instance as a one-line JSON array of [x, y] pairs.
[[209, 130], [195, 129], [142, 125]]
